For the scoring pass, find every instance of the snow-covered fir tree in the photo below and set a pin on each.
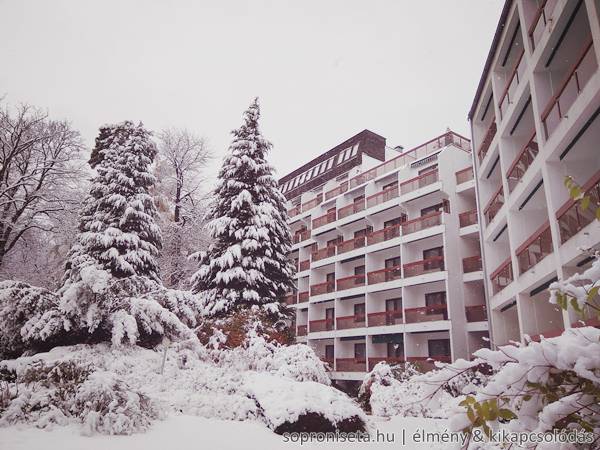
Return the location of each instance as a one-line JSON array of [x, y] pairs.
[[118, 232], [246, 265]]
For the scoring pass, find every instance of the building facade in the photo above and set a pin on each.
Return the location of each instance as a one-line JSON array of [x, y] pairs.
[[534, 121], [386, 245]]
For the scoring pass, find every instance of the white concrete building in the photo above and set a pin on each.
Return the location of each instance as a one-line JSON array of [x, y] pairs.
[[387, 247], [534, 121]]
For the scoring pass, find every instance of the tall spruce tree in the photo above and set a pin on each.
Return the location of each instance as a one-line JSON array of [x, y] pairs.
[[246, 264], [117, 228]]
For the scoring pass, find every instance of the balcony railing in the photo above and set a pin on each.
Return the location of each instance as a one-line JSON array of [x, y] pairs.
[[291, 298], [421, 181], [467, 218], [343, 187], [534, 249], [476, 313], [494, 205], [433, 264], [383, 275], [301, 236], [302, 330], [304, 265], [472, 264], [522, 162], [322, 288], [385, 234], [350, 365], [324, 219], [294, 211], [547, 334], [575, 81], [572, 218], [422, 223], [515, 78], [343, 323], [351, 244], [502, 276], [312, 203], [320, 325], [325, 252], [382, 197], [350, 282], [427, 363], [391, 360], [538, 25], [303, 297], [383, 318], [411, 155], [426, 313], [487, 141], [464, 175], [353, 208]]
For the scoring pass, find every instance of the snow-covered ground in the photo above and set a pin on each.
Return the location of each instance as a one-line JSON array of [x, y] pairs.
[[183, 431]]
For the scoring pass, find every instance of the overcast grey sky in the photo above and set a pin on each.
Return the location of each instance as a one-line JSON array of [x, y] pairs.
[[324, 70]]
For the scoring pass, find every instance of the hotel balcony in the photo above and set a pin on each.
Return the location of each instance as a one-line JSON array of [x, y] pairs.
[[350, 282], [301, 236], [304, 265], [347, 322], [294, 211], [303, 297], [487, 141], [476, 313], [422, 223], [429, 265], [540, 21], [322, 288], [467, 218], [383, 196], [385, 318], [312, 203], [383, 275], [522, 162], [472, 264], [494, 205], [391, 360], [385, 234], [325, 252], [350, 365], [427, 363], [324, 219], [502, 276], [572, 218], [291, 298], [351, 244], [343, 187], [422, 180], [316, 326], [515, 78], [353, 208], [574, 81], [426, 313], [534, 249], [464, 175]]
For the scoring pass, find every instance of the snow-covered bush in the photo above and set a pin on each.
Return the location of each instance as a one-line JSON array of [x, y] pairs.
[[21, 306], [68, 390], [391, 391]]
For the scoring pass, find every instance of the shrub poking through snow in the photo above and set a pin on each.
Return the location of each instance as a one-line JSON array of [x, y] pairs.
[[247, 264]]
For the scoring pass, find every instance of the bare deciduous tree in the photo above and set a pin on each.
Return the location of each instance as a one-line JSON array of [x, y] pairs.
[[39, 167], [181, 159]]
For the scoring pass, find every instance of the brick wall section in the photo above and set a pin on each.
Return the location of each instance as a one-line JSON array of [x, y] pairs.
[[370, 143]]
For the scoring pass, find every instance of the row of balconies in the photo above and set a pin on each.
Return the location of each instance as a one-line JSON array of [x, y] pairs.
[[426, 363], [571, 218], [422, 314]]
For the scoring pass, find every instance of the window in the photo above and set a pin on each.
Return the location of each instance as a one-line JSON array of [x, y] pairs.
[[354, 151], [359, 312], [438, 347], [433, 252], [436, 299], [329, 352], [443, 206], [360, 352], [392, 262], [395, 350], [359, 270]]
